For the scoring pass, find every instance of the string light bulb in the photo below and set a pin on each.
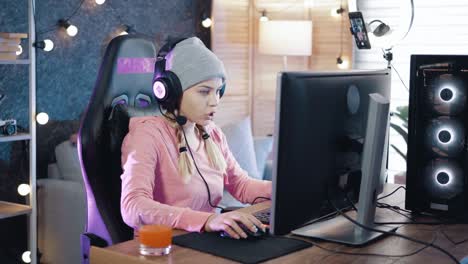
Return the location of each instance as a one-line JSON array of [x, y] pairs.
[[336, 12], [100, 2], [19, 51], [24, 189], [46, 45], [206, 22], [72, 30], [42, 118], [263, 17], [342, 63], [26, 257]]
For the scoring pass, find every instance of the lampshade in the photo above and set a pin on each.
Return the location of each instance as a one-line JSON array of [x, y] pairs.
[[287, 38]]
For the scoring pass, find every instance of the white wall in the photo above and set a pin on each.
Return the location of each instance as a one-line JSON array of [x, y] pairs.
[[440, 27]]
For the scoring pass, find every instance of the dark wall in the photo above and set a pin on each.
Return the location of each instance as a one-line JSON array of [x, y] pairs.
[[66, 75]]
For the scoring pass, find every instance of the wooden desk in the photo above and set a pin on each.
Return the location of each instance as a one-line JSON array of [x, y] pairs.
[[127, 252]]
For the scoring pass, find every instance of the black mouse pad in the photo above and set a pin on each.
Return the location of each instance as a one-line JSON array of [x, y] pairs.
[[250, 250]]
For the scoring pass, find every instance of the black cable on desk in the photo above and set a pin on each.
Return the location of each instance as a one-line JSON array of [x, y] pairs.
[[394, 234], [394, 191], [396, 210], [375, 254], [451, 240]]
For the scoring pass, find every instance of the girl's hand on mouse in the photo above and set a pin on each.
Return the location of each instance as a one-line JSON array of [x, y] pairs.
[[229, 222]]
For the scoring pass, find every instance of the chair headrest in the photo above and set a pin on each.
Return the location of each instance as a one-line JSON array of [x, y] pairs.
[[126, 75]]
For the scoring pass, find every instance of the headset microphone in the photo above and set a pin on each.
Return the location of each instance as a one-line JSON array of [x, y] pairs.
[[181, 120]]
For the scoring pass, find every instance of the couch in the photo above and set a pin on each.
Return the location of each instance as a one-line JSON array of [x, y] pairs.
[[62, 200]]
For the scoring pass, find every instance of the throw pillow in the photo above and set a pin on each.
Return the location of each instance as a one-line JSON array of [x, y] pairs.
[[240, 140], [263, 146], [67, 161]]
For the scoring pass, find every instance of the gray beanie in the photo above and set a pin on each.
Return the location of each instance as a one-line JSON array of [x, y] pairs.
[[193, 63]]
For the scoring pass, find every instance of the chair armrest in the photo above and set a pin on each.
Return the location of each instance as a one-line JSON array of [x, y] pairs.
[[88, 240]]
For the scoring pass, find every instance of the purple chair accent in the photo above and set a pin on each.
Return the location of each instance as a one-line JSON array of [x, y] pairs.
[[124, 70]]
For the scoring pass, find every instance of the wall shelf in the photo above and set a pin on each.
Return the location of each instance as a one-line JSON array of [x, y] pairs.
[[17, 137], [8, 209], [15, 61]]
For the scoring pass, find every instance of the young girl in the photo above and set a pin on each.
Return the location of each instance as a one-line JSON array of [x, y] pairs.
[[174, 172]]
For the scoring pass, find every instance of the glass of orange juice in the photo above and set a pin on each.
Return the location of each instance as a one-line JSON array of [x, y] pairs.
[[155, 240]]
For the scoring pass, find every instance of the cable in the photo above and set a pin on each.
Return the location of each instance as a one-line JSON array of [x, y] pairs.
[[69, 17], [384, 205], [350, 202], [373, 254], [394, 210], [129, 26], [196, 166], [391, 193], [341, 28], [193, 158], [394, 234], [393, 67], [451, 240], [259, 197], [76, 10]]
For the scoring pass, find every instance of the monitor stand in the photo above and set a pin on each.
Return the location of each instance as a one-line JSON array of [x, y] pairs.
[[340, 229]]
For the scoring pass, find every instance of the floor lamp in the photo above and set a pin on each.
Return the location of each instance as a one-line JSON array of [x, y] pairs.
[[285, 38]]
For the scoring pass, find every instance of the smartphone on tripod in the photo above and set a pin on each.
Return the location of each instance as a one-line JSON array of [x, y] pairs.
[[359, 31]]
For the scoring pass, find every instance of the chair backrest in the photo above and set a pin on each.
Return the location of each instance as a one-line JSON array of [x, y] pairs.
[[123, 89]]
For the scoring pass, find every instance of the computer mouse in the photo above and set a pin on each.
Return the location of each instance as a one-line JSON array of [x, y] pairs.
[[250, 234]]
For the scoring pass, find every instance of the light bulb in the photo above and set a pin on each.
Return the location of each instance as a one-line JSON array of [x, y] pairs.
[[264, 17], [42, 118], [336, 12], [206, 22], [100, 2], [72, 30], [19, 51], [48, 45], [24, 189], [26, 257], [342, 63]]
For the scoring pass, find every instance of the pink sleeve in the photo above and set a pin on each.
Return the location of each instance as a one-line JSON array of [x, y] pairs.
[[139, 161], [236, 180]]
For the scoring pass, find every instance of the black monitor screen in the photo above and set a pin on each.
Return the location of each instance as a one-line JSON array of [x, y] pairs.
[[319, 134]]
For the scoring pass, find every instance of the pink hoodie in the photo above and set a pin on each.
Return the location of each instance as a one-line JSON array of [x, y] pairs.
[[152, 189]]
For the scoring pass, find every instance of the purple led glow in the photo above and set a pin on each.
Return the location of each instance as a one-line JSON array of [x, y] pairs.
[[135, 65], [169, 60], [143, 103], [95, 223]]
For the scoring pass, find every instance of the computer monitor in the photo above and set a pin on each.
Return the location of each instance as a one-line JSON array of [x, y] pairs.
[[320, 128]]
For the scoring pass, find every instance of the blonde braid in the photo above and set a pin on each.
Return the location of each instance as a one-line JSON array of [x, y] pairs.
[[185, 163], [214, 153]]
